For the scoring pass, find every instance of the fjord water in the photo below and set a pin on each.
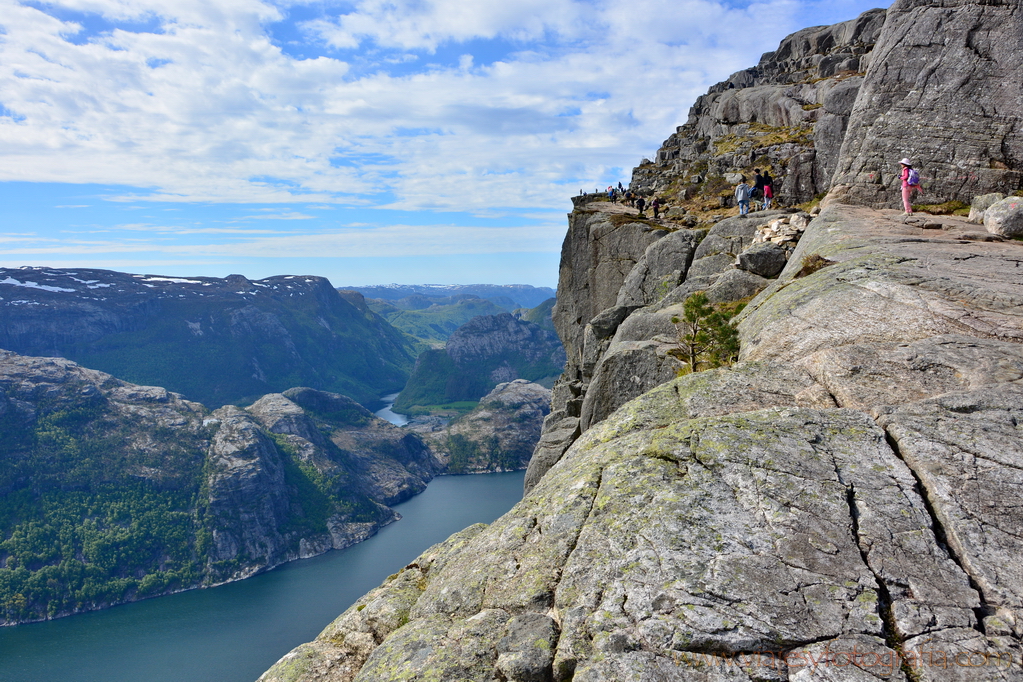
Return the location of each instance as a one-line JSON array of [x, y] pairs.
[[235, 632], [390, 415]]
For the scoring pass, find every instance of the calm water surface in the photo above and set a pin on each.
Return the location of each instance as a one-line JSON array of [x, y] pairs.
[[390, 415], [235, 632]]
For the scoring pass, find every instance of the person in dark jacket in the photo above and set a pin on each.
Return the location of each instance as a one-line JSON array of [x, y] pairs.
[[640, 204], [758, 185]]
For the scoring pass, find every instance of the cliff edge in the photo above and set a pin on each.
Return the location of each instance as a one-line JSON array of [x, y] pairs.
[[849, 486]]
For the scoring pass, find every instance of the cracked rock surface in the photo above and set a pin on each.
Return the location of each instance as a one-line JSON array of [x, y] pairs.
[[840, 505]]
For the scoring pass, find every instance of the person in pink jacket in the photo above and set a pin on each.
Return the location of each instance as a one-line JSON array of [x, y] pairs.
[[910, 183]]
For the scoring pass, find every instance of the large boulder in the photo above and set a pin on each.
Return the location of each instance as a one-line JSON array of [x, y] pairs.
[[981, 204], [1005, 217], [711, 265], [736, 285], [765, 260]]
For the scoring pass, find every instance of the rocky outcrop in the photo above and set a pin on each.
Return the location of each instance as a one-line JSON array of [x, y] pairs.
[[1005, 217], [789, 114], [498, 435], [846, 491], [942, 90], [629, 344], [213, 340], [836, 107], [114, 492]]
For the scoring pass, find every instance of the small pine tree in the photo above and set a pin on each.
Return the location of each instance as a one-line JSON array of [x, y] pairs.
[[706, 336]]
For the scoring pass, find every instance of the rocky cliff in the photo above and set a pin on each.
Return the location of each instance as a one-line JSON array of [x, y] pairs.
[[789, 113], [845, 492], [112, 492], [836, 107], [213, 340], [840, 504], [945, 92]]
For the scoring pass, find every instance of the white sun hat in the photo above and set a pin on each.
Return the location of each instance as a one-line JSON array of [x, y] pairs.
[[906, 162]]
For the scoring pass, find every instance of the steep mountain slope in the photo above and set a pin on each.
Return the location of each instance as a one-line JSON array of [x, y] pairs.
[[214, 340], [788, 114], [112, 492], [482, 353], [498, 435], [841, 504]]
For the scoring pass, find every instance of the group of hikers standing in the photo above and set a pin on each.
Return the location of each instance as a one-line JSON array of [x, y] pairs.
[[762, 189], [630, 198]]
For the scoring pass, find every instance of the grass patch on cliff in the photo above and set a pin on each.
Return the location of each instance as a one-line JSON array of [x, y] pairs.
[[760, 135], [948, 208], [812, 263]]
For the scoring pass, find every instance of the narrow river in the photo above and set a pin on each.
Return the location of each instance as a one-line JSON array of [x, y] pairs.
[[234, 632], [390, 415]]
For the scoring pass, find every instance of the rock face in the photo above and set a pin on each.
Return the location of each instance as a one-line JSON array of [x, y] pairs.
[[112, 492], [942, 90], [498, 435], [841, 504], [627, 346], [836, 107], [213, 340]]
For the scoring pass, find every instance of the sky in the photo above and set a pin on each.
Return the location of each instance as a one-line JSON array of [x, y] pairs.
[[368, 141]]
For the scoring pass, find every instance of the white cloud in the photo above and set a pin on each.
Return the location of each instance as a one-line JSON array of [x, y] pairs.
[[414, 24], [210, 108]]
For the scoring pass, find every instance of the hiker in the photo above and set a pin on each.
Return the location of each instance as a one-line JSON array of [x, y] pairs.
[[612, 197], [620, 188], [758, 185], [768, 189], [910, 183], [640, 203], [656, 206], [742, 191]]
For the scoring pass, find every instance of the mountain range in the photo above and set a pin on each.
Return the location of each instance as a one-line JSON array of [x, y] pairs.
[[214, 340]]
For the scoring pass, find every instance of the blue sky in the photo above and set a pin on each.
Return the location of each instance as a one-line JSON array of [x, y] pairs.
[[371, 141]]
